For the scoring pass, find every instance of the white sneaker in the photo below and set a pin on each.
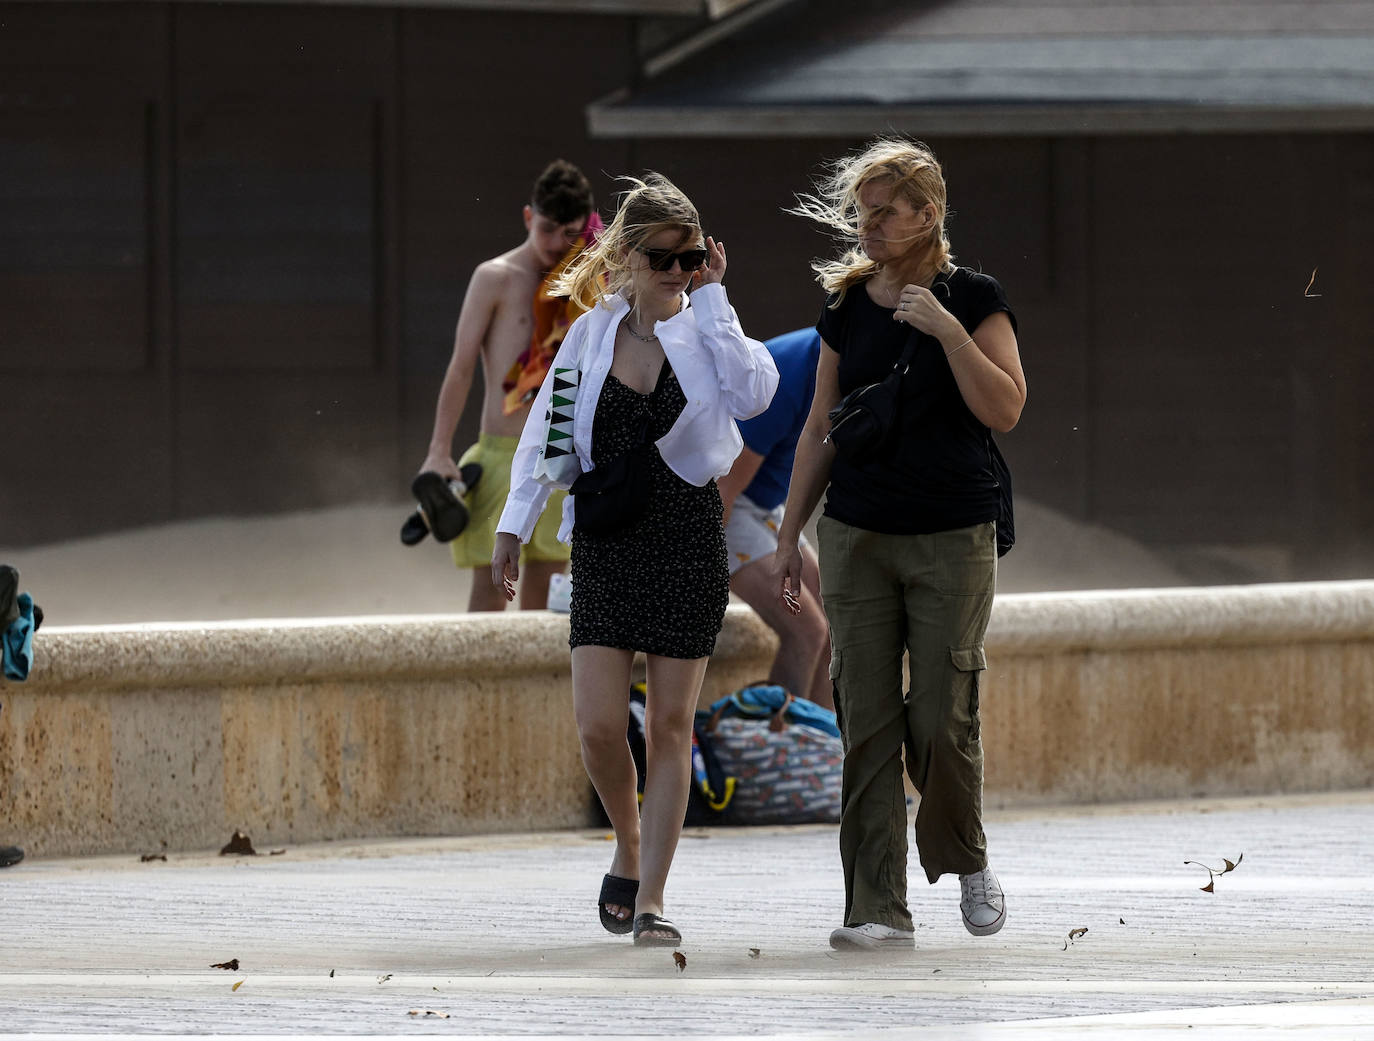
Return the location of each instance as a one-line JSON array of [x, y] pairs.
[[983, 906], [871, 937]]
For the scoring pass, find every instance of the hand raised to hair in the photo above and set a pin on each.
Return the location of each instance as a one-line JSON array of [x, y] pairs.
[[714, 271]]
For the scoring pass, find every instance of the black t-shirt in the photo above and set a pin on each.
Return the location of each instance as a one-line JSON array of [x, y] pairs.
[[935, 475]]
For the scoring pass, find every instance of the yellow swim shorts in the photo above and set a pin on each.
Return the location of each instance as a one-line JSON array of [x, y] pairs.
[[485, 502]]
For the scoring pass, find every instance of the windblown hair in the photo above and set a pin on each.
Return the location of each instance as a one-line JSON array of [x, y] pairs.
[[646, 208], [562, 193], [913, 171]]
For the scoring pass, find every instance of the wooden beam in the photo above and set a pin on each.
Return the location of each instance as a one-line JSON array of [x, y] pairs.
[[674, 8]]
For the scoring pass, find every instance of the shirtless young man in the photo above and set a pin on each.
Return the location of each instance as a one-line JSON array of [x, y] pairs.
[[496, 326]]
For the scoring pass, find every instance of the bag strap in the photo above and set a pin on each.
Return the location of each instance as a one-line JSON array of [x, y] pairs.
[[903, 363], [777, 721]]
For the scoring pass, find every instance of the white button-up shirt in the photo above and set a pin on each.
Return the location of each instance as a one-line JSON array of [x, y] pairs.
[[724, 375]]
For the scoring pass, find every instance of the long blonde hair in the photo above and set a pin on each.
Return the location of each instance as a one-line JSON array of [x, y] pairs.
[[647, 207], [914, 172]]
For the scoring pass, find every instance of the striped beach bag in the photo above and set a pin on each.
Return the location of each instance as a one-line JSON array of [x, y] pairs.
[[785, 755]]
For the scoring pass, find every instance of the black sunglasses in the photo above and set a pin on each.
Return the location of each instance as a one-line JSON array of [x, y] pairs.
[[662, 259]]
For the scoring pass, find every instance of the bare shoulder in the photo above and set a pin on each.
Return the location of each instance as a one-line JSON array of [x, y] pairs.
[[510, 272]]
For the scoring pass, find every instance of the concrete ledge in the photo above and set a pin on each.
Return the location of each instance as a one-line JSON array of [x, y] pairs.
[[386, 648], [1198, 617], [1180, 693], [137, 738], [144, 737]]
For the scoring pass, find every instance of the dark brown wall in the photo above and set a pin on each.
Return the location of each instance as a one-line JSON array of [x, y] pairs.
[[1183, 389], [234, 242]]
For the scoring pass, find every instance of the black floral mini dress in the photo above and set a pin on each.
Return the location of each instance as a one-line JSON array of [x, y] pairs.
[[660, 585]]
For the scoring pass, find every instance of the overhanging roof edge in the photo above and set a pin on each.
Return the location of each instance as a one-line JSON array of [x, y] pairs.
[[608, 118]]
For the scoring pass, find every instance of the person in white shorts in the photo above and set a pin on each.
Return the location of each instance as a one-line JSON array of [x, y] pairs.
[[754, 492]]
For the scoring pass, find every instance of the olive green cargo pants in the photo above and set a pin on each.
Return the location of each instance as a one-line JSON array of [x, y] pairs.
[[929, 595]]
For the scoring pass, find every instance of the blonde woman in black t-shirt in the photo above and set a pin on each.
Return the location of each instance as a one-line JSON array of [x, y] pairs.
[[908, 554]]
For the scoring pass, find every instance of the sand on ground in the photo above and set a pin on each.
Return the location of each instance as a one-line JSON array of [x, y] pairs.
[[349, 560]]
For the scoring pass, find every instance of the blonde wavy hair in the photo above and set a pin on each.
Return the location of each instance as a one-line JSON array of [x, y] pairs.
[[913, 171], [646, 208]]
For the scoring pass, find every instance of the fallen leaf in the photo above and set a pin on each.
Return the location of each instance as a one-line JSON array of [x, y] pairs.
[[1122, 921], [331, 974], [1076, 933], [681, 960], [933, 971], [1214, 873], [754, 952], [240, 844], [276, 852], [232, 965], [147, 857], [237, 985]]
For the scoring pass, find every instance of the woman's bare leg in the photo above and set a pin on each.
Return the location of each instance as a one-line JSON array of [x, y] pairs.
[[674, 685], [601, 703]]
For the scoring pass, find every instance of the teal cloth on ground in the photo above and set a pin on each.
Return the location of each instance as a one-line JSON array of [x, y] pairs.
[[16, 642], [762, 700]]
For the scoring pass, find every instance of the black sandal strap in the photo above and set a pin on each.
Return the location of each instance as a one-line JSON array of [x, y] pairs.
[[652, 923], [621, 892]]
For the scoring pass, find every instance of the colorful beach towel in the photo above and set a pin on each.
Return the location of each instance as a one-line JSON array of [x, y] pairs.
[[553, 315]]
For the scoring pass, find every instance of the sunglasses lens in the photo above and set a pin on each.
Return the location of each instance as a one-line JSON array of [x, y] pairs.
[[662, 259]]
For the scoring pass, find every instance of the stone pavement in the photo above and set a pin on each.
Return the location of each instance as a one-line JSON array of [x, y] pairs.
[[499, 935]]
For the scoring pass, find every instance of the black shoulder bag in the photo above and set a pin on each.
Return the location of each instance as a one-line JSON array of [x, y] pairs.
[[614, 495], [865, 417]]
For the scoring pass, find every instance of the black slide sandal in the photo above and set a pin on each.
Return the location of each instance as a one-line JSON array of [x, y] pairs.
[[621, 892], [648, 923], [444, 514]]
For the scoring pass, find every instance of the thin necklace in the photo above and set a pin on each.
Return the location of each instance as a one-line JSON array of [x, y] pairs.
[[629, 328], [894, 293]]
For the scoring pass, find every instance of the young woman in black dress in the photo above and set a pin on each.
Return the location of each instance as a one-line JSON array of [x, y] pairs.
[[651, 367]]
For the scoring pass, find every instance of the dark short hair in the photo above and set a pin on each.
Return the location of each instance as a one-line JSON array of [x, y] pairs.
[[562, 193]]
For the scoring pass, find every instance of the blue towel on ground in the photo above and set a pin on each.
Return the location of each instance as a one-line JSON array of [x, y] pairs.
[[16, 642]]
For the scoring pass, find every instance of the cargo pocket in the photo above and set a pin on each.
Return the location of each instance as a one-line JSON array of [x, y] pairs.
[[835, 669], [969, 663]]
